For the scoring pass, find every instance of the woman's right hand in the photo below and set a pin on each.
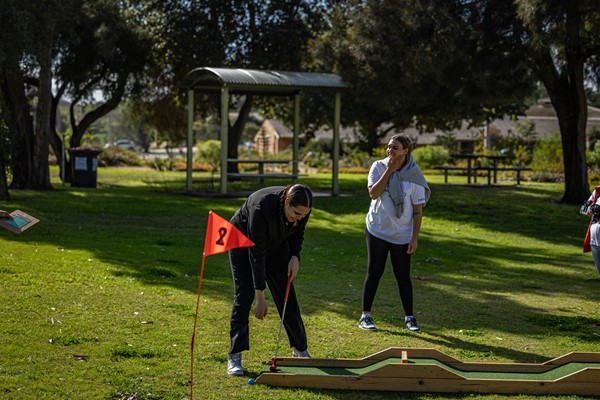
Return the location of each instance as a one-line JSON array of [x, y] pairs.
[[395, 162], [260, 308]]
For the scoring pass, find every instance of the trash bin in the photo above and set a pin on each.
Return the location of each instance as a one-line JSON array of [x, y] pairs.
[[84, 166]]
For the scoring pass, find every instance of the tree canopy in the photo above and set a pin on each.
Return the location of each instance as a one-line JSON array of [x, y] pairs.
[[434, 63], [63, 50], [428, 63], [256, 34]]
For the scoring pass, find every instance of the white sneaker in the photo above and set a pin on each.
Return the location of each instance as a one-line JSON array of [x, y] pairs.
[[234, 364], [411, 325], [297, 353], [367, 324]]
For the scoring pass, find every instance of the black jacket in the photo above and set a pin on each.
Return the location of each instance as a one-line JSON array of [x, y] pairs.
[[261, 218]]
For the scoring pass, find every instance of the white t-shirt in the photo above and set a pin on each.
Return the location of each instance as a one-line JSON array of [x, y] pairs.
[[382, 221], [595, 228]]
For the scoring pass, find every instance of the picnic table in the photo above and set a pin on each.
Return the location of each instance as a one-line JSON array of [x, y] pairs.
[[262, 173], [472, 167]]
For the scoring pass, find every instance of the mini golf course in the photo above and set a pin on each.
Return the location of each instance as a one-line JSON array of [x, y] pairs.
[[428, 370]]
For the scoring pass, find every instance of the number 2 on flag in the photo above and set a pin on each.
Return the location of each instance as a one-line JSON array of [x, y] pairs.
[[222, 233]]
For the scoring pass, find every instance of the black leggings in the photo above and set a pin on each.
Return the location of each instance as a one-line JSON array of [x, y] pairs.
[[378, 250]]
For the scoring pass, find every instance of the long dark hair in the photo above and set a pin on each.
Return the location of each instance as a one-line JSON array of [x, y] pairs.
[[299, 195]]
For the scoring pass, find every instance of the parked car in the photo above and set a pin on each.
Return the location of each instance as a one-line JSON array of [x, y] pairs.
[[125, 144]]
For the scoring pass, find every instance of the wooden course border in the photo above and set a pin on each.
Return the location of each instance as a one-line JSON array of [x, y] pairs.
[[429, 370]]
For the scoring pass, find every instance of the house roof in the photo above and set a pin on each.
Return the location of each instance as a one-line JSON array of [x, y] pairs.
[[281, 129], [250, 81], [542, 115]]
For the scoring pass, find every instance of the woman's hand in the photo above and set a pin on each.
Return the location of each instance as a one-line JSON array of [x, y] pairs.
[[260, 308], [412, 245], [293, 267], [395, 162]]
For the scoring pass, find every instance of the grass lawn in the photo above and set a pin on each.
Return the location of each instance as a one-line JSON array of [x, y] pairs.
[[98, 299]]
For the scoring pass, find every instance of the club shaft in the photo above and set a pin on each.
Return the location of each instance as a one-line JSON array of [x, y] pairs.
[[285, 300]]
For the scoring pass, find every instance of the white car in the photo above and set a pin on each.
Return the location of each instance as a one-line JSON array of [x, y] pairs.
[[125, 144]]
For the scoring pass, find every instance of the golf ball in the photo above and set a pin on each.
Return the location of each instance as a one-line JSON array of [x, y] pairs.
[[250, 381]]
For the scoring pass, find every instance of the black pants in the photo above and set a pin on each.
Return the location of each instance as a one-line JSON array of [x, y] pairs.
[[378, 250], [276, 274]]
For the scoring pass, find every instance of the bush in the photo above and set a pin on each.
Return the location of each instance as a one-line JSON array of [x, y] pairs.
[[430, 156], [317, 154], [357, 158], [593, 158], [547, 160], [548, 155], [116, 156], [209, 153]]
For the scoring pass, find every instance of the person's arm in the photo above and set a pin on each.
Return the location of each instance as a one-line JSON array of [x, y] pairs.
[[417, 218], [590, 201], [260, 308], [257, 232], [293, 267], [378, 188], [295, 243], [5, 215]]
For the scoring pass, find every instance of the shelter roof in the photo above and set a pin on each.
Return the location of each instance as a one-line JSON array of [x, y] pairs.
[[261, 82]]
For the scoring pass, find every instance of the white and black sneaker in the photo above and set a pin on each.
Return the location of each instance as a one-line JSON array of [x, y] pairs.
[[411, 325], [298, 353], [366, 323], [234, 364]]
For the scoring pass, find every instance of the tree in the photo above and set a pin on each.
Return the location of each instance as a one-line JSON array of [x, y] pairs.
[[81, 47], [29, 32], [4, 140], [436, 62], [259, 34], [105, 51], [564, 51], [427, 63]]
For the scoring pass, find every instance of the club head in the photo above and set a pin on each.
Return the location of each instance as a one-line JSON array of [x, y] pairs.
[[273, 367]]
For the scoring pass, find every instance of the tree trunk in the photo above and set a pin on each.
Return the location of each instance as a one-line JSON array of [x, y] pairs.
[[41, 170], [4, 194], [572, 117], [572, 110], [56, 141], [234, 133], [566, 89], [21, 127], [79, 129]]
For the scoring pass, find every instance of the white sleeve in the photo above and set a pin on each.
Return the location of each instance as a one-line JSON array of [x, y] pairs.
[[418, 194], [375, 173]]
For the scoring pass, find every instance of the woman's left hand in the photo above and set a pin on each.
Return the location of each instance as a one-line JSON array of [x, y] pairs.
[[412, 245], [293, 267]]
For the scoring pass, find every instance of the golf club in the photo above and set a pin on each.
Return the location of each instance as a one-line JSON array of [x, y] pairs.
[[273, 367]]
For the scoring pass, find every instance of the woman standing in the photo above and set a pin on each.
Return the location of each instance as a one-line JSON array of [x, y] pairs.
[[274, 218], [398, 192], [592, 240]]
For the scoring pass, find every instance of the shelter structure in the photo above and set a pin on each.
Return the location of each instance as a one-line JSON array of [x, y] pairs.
[[228, 81]]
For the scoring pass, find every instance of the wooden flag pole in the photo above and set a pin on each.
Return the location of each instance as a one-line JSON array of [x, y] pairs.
[[194, 331]]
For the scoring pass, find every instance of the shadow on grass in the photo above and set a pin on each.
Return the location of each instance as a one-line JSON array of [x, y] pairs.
[[157, 238]]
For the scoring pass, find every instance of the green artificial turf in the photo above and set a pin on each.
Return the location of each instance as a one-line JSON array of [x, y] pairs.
[[550, 375]]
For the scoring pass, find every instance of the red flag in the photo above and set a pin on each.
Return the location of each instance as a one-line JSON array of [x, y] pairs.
[[221, 236]]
